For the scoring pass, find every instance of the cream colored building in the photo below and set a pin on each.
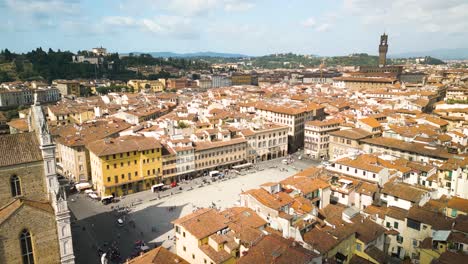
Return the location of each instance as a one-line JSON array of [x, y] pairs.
[[268, 142], [317, 138], [72, 156], [292, 115], [346, 142], [219, 154]]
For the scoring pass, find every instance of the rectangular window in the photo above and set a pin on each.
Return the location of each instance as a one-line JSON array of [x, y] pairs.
[[116, 179], [399, 239], [108, 179], [395, 225], [413, 224], [115, 166], [388, 225]]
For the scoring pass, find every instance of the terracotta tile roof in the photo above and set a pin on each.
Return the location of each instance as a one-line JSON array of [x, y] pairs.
[[309, 172], [354, 133], [319, 123], [203, 222], [376, 253], [364, 79], [458, 203], [320, 240], [366, 230], [373, 210], [19, 123], [217, 256], [278, 250], [397, 213], [418, 148], [361, 162], [273, 201], [461, 223], [123, 144], [367, 188], [305, 185], [218, 144], [80, 135], [404, 191], [370, 121], [158, 255], [243, 216], [19, 149], [449, 257], [436, 220]]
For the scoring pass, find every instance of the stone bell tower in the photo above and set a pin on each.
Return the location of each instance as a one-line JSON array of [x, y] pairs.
[[383, 48], [57, 196]]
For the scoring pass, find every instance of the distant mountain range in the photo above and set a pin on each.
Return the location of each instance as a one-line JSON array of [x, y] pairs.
[[443, 54], [167, 54]]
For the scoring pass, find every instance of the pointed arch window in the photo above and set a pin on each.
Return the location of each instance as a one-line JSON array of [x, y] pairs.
[[26, 247], [15, 186]]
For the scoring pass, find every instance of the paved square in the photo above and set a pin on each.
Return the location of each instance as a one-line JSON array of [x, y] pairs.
[[149, 219]]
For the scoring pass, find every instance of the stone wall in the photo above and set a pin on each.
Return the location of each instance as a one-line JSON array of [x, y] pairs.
[[31, 178], [42, 227]]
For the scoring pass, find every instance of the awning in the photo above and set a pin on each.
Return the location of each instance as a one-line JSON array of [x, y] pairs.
[[157, 185], [242, 166], [107, 197], [83, 185]]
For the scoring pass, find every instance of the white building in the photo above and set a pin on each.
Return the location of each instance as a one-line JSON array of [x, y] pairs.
[[317, 138]]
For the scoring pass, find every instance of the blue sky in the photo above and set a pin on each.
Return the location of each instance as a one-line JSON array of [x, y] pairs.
[[253, 27]]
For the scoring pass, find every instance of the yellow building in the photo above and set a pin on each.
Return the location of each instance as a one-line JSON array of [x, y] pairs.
[[125, 165], [456, 206], [430, 250], [146, 85]]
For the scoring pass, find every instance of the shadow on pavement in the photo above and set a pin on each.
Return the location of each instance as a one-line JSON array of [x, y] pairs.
[[100, 231]]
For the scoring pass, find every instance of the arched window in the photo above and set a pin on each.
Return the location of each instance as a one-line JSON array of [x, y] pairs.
[[26, 247], [15, 186]]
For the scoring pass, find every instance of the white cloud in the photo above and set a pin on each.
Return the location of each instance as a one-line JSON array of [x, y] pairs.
[[323, 27], [416, 15], [309, 22], [238, 6], [119, 21], [42, 7], [324, 24], [174, 26]]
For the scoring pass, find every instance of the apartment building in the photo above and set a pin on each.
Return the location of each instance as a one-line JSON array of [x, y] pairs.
[[346, 142], [274, 206], [214, 155], [125, 165], [70, 88], [317, 137], [209, 236], [291, 115], [363, 167], [267, 142], [408, 150], [146, 86], [72, 155], [12, 98], [405, 196], [363, 83], [169, 161]]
